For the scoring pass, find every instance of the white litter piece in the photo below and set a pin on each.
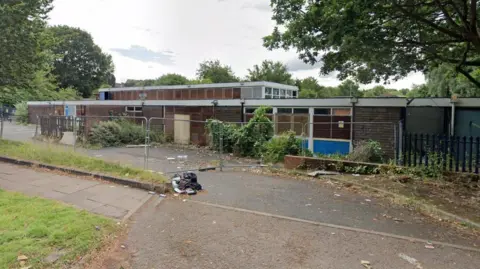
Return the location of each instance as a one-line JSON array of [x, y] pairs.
[[368, 200], [170, 158], [356, 175], [151, 192], [308, 205], [163, 195], [322, 173], [337, 195], [410, 260]]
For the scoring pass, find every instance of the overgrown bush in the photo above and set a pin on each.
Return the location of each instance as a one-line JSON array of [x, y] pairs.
[[217, 130], [252, 136], [117, 132], [106, 134], [285, 144], [367, 151], [21, 112]]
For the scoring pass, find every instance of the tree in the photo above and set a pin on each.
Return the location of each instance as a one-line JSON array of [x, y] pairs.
[[79, 62], [270, 71], [171, 79], [442, 81], [376, 40], [311, 89], [375, 91], [348, 88], [21, 41], [216, 72]]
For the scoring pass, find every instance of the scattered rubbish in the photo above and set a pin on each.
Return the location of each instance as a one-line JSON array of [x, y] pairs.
[[118, 223], [366, 264], [214, 222], [26, 267], [112, 186], [163, 195], [97, 228], [151, 192], [22, 258], [322, 173], [368, 200], [178, 167], [160, 173], [429, 247], [410, 260], [98, 155], [184, 200], [398, 220], [125, 186], [333, 233], [175, 194], [186, 183], [308, 205], [356, 175], [337, 195], [123, 246], [170, 159]]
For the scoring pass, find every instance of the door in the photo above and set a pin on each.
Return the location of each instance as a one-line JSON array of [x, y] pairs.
[[182, 129]]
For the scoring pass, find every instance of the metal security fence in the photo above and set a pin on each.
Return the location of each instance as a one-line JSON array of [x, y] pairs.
[[448, 153]]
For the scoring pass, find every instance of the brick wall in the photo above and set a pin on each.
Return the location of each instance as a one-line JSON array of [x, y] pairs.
[[377, 123]]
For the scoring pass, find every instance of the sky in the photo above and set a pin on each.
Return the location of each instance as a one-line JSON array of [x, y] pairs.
[[148, 38]]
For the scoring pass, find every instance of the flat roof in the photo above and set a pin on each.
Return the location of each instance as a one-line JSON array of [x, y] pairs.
[[204, 86], [324, 102]]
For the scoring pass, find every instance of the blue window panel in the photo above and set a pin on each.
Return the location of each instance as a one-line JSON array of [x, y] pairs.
[[331, 147], [102, 96]]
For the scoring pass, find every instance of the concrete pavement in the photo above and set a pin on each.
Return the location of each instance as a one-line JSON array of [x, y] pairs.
[[110, 200], [177, 234]]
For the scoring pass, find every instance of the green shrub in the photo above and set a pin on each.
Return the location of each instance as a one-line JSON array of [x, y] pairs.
[[252, 136], [130, 133], [285, 144], [367, 151], [217, 130], [21, 112], [106, 134]]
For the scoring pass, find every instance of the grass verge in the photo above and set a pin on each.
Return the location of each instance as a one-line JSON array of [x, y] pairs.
[[67, 158], [37, 227]]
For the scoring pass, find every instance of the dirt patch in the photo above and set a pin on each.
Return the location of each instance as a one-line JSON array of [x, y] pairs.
[[449, 195], [113, 255]]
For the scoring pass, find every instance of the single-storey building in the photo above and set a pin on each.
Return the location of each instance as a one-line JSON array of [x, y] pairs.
[[328, 125]]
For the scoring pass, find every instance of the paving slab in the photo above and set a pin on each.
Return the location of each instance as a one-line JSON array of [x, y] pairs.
[[110, 200]]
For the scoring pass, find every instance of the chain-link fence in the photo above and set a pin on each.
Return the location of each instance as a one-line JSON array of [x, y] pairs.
[[178, 143]]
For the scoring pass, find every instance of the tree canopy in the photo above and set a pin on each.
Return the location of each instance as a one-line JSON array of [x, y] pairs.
[[375, 40], [216, 72], [79, 62], [171, 79], [21, 40], [270, 71]]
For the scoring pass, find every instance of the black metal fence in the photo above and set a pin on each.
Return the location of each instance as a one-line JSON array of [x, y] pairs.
[[54, 126], [449, 153]]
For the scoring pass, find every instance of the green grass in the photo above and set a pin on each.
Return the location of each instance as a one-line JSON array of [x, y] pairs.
[[36, 227], [68, 158]]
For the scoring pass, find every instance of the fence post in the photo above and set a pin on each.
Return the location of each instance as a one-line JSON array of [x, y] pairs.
[[464, 157], [221, 148], [1, 124], [147, 143], [477, 163], [74, 122], [470, 157], [36, 126], [400, 142]]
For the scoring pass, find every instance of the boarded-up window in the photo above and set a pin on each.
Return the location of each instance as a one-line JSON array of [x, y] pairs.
[[228, 93], [178, 94], [237, 93], [194, 94], [201, 93], [185, 94], [209, 93], [218, 94], [334, 123], [168, 95], [160, 94]]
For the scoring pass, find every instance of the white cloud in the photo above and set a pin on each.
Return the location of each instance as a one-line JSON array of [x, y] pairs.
[[179, 34]]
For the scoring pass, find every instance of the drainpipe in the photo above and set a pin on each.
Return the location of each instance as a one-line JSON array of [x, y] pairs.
[[242, 112], [353, 101], [214, 105], [453, 100]]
